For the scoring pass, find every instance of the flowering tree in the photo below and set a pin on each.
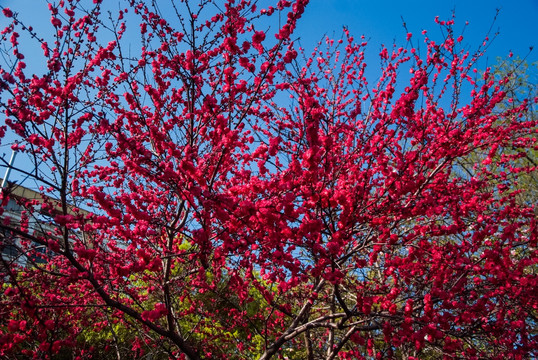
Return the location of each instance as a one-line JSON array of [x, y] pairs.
[[523, 83], [215, 192]]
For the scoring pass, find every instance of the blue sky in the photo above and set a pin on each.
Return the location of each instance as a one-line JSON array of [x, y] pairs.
[[381, 22]]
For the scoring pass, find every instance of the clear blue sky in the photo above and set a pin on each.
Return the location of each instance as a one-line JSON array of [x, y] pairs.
[[380, 21]]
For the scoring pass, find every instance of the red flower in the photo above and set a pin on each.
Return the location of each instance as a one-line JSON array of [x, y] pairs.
[[258, 37], [55, 21], [7, 12]]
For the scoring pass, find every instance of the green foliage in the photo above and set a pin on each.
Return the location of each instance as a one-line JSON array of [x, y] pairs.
[[520, 85]]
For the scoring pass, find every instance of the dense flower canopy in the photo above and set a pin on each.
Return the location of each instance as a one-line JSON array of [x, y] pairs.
[[206, 189]]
